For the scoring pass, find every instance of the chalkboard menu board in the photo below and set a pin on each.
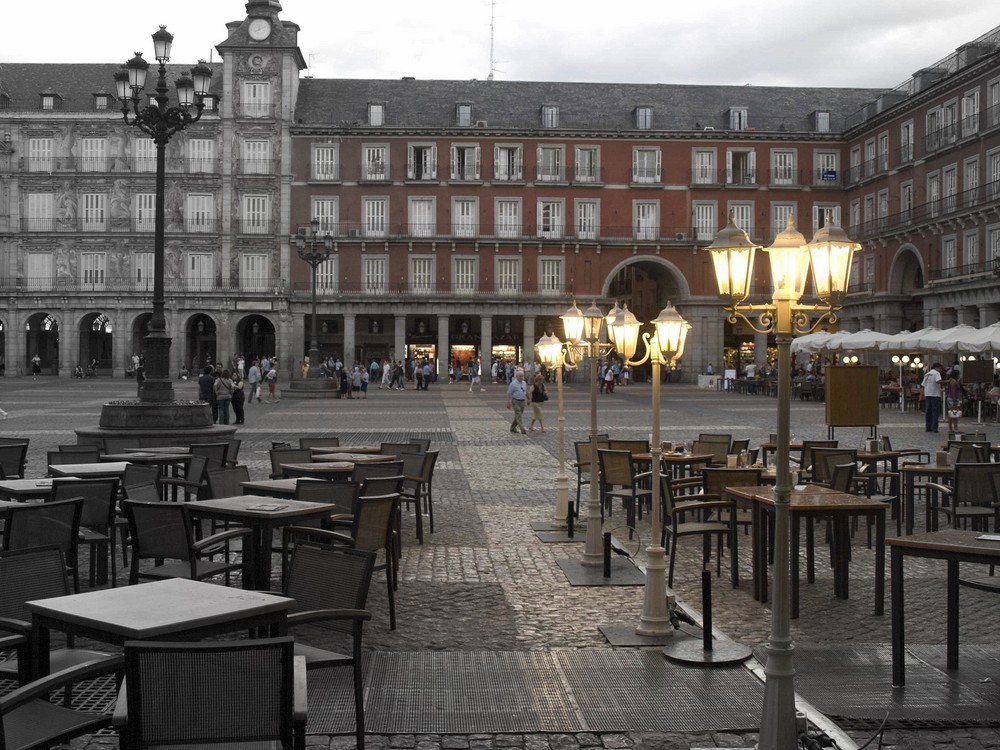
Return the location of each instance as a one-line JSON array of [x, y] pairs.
[[977, 371], [852, 396]]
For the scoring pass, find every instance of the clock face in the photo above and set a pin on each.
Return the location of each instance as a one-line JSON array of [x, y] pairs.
[[259, 29]]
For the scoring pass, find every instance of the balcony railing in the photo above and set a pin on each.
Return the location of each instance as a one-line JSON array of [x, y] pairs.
[[967, 272], [257, 166], [351, 231], [138, 164], [348, 288], [129, 225], [126, 285]]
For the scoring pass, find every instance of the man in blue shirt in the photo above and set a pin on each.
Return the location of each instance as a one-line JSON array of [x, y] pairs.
[[517, 398]]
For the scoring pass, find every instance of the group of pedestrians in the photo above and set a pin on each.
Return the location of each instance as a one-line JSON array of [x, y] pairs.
[[223, 388], [519, 394]]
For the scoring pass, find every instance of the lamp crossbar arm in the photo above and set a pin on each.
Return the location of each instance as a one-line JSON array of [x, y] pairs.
[[764, 318]]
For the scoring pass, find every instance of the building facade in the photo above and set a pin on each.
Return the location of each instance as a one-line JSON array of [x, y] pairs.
[[467, 215]]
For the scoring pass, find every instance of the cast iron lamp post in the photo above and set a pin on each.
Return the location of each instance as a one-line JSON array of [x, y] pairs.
[[665, 345], [584, 328], [558, 358], [903, 361], [160, 121], [318, 252], [831, 253]]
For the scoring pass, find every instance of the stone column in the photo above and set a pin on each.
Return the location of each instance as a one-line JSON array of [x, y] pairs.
[[399, 338], [16, 341], [988, 315], [968, 316], [485, 346], [69, 344], [759, 349], [443, 352], [350, 339], [121, 357], [529, 339]]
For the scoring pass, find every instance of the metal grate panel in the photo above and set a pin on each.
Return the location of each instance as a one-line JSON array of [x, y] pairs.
[[613, 689]]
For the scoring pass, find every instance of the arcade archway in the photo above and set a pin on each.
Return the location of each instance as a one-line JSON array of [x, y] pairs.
[[95, 343], [41, 337], [255, 337]]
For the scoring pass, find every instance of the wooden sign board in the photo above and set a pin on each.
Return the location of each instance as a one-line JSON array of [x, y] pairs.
[[851, 396], [977, 371]]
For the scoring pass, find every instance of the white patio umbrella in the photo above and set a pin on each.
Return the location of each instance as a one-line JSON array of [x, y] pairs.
[[863, 340], [983, 340], [905, 341], [946, 340], [811, 342]]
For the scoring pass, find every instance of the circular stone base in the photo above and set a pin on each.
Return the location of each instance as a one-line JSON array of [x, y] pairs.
[[312, 388], [146, 415], [692, 651]]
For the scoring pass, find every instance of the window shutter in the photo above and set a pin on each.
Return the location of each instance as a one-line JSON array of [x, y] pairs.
[[479, 156], [659, 165], [518, 164], [752, 165], [409, 163], [434, 162], [729, 167]]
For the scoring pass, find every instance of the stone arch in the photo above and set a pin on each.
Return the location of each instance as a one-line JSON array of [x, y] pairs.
[[96, 331], [256, 336], [41, 331], [201, 336], [682, 286], [906, 271]]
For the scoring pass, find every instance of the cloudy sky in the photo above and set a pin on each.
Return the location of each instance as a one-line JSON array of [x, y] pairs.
[[863, 43]]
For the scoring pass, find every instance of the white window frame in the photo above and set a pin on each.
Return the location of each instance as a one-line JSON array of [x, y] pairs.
[[199, 272], [375, 216], [703, 168], [144, 212], [199, 213], [465, 274], [463, 115], [822, 119], [327, 211], [375, 162], [738, 118], [906, 142], [906, 200], [142, 271], [256, 214], [587, 163], [93, 212], [550, 164], [883, 152], [646, 220], [949, 255], [970, 181], [508, 162], [421, 161], [783, 164], [819, 215], [255, 272], [257, 99], [826, 162], [741, 166], [551, 218], [644, 118], [466, 162], [550, 116], [779, 216], [705, 219], [201, 155], [970, 249], [507, 273], [327, 275], [325, 161], [464, 216], [375, 274], [551, 274], [256, 156], [869, 271], [949, 187], [40, 211], [94, 154], [743, 215], [993, 243], [376, 114], [509, 217], [41, 155], [422, 274], [422, 215], [647, 165], [93, 270], [587, 218], [39, 270], [143, 155]]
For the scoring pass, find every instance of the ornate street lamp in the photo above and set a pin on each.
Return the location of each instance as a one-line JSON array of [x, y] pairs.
[[583, 331], [664, 346], [830, 253], [318, 252], [558, 358], [160, 121]]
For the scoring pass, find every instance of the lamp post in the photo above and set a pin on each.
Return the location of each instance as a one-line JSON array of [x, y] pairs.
[[830, 253], [584, 328], [313, 251], [665, 345], [903, 361], [160, 121], [557, 358]]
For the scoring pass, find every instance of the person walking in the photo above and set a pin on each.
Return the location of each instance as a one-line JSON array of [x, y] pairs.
[[953, 399], [36, 366], [253, 378], [206, 390], [538, 397], [272, 384], [140, 378], [932, 397], [223, 388], [517, 398], [474, 379], [239, 398]]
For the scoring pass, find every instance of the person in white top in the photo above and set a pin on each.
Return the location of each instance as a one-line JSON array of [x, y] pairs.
[[932, 397]]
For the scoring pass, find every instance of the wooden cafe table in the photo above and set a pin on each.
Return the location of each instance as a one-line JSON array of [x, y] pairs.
[[283, 488], [320, 469], [371, 449], [954, 546], [808, 502], [103, 470], [26, 490], [354, 458], [262, 515], [173, 609]]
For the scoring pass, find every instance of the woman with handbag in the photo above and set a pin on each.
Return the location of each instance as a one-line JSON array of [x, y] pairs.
[[538, 397], [953, 400]]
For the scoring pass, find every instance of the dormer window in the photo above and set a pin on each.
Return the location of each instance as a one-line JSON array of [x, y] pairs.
[[4, 101], [550, 116], [376, 115], [463, 115], [822, 121], [643, 118], [102, 101], [738, 118], [49, 101]]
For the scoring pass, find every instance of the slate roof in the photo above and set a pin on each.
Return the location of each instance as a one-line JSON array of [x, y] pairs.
[[76, 83], [415, 104]]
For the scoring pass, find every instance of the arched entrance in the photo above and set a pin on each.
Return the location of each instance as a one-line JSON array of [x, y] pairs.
[[255, 338], [95, 343], [646, 285], [906, 275], [140, 329], [201, 340], [41, 337]]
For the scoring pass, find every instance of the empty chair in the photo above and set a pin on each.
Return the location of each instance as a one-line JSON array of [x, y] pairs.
[[806, 460], [398, 449], [715, 479], [972, 497], [717, 437], [582, 465], [214, 452], [144, 493], [140, 474], [362, 471], [716, 449], [287, 456], [233, 452], [417, 488], [26, 575], [13, 458], [87, 454], [687, 513], [227, 481], [51, 524], [423, 444], [247, 693], [920, 456], [824, 459], [337, 604], [635, 447], [381, 485], [968, 452], [97, 520], [620, 480], [319, 442], [193, 485], [342, 494], [164, 533]]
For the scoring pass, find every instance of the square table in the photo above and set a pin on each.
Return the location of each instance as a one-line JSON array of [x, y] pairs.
[[90, 471], [262, 515], [354, 458], [953, 545], [24, 490], [283, 488], [175, 608], [320, 469], [369, 449], [808, 502]]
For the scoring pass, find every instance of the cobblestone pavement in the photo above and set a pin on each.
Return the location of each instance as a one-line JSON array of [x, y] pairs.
[[483, 581]]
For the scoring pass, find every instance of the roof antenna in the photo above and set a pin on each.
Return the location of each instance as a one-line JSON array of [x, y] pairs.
[[493, 63]]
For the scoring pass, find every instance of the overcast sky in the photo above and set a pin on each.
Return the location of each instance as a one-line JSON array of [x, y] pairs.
[[852, 43]]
